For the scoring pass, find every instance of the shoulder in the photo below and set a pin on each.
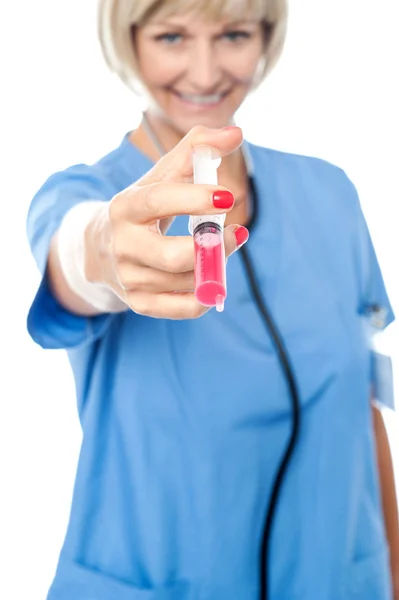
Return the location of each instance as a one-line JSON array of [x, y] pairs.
[[123, 165], [105, 177], [308, 178], [296, 164]]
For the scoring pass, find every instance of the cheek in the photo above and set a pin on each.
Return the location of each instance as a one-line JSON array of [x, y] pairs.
[[158, 70], [243, 65]]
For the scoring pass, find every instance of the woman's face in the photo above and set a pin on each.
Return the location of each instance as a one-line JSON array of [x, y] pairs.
[[198, 72]]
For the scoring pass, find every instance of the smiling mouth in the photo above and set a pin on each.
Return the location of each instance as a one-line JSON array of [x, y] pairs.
[[201, 100]]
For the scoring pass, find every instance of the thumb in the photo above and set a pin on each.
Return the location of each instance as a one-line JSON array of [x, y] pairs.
[[177, 165]]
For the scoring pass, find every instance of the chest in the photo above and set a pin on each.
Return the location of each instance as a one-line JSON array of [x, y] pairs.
[[225, 366]]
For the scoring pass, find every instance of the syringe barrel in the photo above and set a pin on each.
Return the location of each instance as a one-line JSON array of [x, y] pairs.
[[207, 231], [209, 265]]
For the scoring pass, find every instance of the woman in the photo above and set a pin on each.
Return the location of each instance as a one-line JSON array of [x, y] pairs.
[[232, 456]]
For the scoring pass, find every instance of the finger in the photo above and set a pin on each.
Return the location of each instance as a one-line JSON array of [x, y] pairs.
[[177, 164], [175, 254], [164, 200], [171, 254], [235, 236], [144, 279], [166, 306]]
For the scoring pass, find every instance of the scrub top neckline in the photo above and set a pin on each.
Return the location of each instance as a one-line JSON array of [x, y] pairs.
[[132, 152]]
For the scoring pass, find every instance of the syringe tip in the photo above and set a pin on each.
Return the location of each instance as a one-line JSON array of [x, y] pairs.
[[219, 303]]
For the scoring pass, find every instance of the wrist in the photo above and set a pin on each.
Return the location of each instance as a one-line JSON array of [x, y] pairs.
[[82, 256], [95, 244]]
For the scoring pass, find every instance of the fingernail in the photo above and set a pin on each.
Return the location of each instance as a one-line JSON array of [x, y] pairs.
[[222, 199], [229, 127], [242, 235]]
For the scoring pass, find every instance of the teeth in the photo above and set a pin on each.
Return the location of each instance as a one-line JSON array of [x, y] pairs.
[[195, 99]]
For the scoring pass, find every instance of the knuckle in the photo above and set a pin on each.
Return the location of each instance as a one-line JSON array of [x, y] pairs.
[[140, 305], [129, 278], [151, 199], [115, 209], [125, 242], [122, 206], [197, 131], [171, 259], [118, 248], [196, 310]]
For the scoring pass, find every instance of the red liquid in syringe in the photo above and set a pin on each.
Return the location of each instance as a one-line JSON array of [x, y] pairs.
[[210, 267]]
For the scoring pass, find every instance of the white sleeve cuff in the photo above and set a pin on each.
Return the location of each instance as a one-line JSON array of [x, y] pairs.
[[71, 254]]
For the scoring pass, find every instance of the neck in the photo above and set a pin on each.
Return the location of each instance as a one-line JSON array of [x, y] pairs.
[[165, 133], [155, 136]]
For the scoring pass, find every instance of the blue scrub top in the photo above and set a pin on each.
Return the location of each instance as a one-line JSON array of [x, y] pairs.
[[185, 422]]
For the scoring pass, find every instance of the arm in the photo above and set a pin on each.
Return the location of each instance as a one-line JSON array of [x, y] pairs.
[[106, 251], [60, 287], [73, 251], [388, 494]]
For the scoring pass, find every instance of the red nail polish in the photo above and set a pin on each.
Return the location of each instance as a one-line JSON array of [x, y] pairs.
[[242, 235], [222, 199]]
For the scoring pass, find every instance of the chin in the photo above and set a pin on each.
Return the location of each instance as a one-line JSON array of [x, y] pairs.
[[185, 124], [183, 117]]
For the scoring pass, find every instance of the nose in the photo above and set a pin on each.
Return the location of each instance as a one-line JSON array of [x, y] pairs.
[[203, 68]]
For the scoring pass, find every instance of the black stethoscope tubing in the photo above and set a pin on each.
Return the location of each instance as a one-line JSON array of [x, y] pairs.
[[289, 375]]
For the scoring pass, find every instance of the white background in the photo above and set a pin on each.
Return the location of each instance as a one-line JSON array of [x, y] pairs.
[[334, 95]]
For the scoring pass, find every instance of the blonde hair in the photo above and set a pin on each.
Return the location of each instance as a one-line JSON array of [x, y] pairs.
[[116, 18]]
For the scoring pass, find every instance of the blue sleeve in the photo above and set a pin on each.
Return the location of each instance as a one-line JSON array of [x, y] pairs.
[[375, 306], [49, 324]]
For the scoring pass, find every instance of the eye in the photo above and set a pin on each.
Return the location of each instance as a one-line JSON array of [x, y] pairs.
[[169, 38], [236, 36]]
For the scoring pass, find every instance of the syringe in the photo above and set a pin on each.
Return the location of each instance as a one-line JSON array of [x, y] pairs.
[[207, 231]]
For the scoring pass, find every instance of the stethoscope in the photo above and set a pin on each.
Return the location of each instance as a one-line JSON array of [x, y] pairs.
[[286, 367]]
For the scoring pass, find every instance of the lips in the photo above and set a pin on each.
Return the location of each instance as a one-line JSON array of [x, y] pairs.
[[201, 100]]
